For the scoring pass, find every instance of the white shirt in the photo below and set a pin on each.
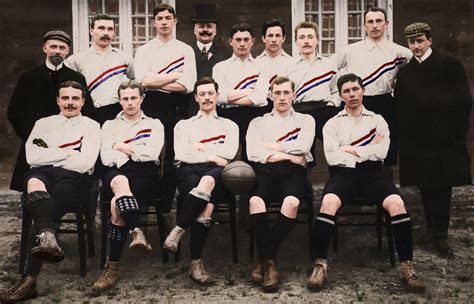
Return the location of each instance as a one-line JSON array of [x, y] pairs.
[[161, 57], [62, 134], [274, 66], [344, 130], [145, 137], [376, 63], [235, 74], [294, 132], [103, 72], [220, 137], [425, 55]]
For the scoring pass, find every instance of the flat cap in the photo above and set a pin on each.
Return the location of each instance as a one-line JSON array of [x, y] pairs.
[[57, 34], [416, 29]]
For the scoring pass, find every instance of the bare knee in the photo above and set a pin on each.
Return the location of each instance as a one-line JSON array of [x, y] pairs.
[[290, 206], [394, 205], [206, 184], [257, 205], [35, 184], [119, 185], [330, 204]]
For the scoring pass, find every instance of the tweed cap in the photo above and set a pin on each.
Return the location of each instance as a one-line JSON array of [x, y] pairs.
[[57, 34], [416, 29]]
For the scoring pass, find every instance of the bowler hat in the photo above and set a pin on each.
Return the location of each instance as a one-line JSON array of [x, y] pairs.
[[205, 13]]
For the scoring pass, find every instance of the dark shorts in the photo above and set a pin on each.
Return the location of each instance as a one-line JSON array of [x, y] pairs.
[[143, 178], [189, 175], [366, 180], [68, 189], [278, 180]]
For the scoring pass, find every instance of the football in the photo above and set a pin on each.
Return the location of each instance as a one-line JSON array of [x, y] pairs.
[[238, 177]]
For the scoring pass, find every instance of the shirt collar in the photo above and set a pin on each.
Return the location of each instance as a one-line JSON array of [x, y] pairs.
[[92, 49], [316, 58], [200, 45], [274, 113], [73, 120], [121, 116], [201, 114], [50, 66], [234, 58], [382, 44], [425, 56], [344, 112], [265, 54], [161, 43]]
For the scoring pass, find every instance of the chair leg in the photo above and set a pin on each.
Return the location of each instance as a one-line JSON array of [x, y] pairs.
[[378, 227], [178, 211], [90, 228], [310, 216], [161, 231], [104, 221], [391, 250], [233, 229], [81, 241], [25, 230], [251, 245], [335, 236]]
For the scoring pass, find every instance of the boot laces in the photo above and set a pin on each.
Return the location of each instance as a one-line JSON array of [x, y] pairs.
[[40, 237], [200, 270], [318, 271], [175, 237]]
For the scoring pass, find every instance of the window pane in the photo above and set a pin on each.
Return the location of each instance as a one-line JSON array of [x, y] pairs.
[[327, 30], [354, 27], [354, 5], [139, 32], [311, 6], [370, 3], [328, 47], [152, 4], [327, 5], [312, 18], [112, 7]]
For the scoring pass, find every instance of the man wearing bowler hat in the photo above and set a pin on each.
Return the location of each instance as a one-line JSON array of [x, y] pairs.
[[34, 96], [207, 51]]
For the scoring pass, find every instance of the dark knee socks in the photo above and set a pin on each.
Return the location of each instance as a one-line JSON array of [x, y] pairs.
[[127, 207], [262, 233], [199, 231], [193, 205], [280, 230], [117, 237], [322, 234], [401, 225], [41, 208]]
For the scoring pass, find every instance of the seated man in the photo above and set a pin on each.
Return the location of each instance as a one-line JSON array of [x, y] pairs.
[[356, 142], [61, 150], [203, 144], [130, 151], [279, 145]]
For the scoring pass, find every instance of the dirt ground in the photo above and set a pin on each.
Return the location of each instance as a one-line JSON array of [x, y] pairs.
[[358, 272]]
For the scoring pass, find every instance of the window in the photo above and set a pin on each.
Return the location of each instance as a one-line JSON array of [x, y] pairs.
[[340, 22], [133, 20]]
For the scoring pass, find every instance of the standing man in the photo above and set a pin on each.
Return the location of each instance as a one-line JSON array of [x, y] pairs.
[[274, 61], [166, 68], [207, 52], [356, 142], [278, 144], [377, 61], [434, 99], [204, 145], [34, 96], [104, 67], [315, 78], [61, 150], [131, 147]]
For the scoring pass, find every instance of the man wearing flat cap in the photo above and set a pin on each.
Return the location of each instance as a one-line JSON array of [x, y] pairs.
[[34, 96], [207, 51], [434, 102]]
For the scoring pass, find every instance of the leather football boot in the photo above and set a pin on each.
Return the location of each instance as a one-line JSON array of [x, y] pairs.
[[270, 276], [319, 276], [198, 273], [257, 273], [172, 241], [107, 279], [48, 248], [410, 278], [139, 243], [23, 290]]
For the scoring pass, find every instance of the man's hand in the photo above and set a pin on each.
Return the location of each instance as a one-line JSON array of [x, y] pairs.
[[349, 149], [273, 146], [122, 147], [40, 143], [221, 162], [377, 140], [199, 146], [299, 160], [72, 152]]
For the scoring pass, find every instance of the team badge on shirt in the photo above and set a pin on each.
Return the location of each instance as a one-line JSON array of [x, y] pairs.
[[174, 66], [140, 134], [75, 145], [220, 139], [366, 139], [313, 83], [120, 69], [246, 82], [292, 135], [384, 68]]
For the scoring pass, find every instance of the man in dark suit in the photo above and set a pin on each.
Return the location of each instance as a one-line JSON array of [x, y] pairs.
[[207, 51], [34, 96]]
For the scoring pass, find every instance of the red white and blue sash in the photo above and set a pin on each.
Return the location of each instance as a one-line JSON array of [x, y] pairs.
[[219, 139], [292, 135], [173, 66], [75, 145], [244, 83], [384, 68], [120, 69], [140, 134], [366, 139], [313, 83]]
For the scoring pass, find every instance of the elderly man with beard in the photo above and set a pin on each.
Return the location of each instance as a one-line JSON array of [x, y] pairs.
[[34, 96], [104, 67]]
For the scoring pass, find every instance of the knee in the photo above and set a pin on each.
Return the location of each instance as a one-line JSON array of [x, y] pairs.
[[207, 183], [330, 204], [119, 183], [35, 184], [394, 205], [291, 202]]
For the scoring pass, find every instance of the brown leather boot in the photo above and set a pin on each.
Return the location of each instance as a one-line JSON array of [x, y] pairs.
[[139, 243], [172, 241], [198, 273], [270, 276], [257, 273], [107, 279], [48, 248], [318, 277], [23, 290], [410, 278]]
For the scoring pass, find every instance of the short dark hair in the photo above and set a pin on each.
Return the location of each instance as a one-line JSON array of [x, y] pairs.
[[272, 23], [205, 80], [72, 84], [130, 84], [164, 7], [282, 79], [240, 27], [348, 78], [307, 24], [375, 9], [101, 17]]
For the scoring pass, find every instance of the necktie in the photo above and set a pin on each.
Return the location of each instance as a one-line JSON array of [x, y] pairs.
[[203, 50]]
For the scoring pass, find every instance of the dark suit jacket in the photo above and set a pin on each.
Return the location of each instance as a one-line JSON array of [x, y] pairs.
[[34, 97]]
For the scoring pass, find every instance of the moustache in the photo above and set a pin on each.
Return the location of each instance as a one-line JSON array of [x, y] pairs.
[[105, 37], [205, 33], [69, 107]]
